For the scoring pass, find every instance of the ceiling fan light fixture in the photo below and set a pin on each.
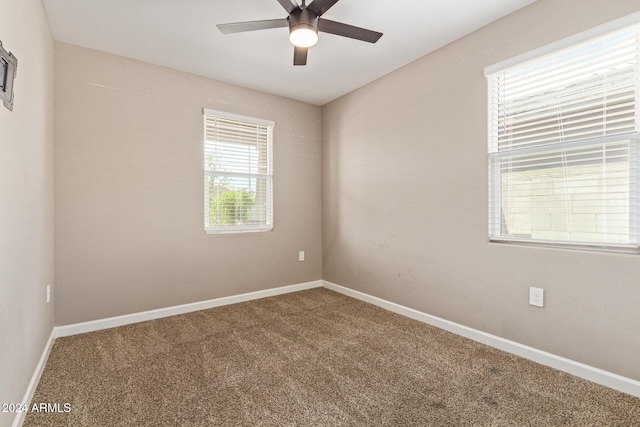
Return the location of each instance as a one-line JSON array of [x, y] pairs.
[[303, 35], [304, 23]]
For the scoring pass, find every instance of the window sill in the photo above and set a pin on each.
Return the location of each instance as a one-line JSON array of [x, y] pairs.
[[238, 230], [590, 247]]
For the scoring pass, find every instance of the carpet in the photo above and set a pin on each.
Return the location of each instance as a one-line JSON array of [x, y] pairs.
[[310, 358]]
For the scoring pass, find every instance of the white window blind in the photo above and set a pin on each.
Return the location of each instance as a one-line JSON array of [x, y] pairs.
[[563, 146], [238, 173]]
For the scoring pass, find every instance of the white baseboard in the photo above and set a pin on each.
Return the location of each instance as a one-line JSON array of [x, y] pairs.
[[596, 375], [35, 379], [127, 319]]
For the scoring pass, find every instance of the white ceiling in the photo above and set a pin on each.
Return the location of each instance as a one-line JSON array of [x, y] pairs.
[[182, 34]]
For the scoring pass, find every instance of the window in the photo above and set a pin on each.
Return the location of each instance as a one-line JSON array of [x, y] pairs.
[[238, 173], [563, 143]]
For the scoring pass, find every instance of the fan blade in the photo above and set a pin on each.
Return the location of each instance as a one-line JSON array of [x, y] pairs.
[[288, 5], [321, 6], [300, 55], [346, 30], [239, 27]]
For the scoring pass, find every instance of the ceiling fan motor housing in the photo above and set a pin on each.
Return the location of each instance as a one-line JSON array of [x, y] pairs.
[[303, 28], [303, 18]]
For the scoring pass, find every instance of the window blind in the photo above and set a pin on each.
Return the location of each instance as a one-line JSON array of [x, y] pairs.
[[563, 146], [238, 173]]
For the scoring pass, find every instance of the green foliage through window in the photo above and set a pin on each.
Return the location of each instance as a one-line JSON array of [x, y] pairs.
[[230, 207]]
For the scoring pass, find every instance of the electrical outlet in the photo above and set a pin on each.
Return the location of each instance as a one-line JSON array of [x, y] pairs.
[[300, 255], [536, 296], [48, 294]]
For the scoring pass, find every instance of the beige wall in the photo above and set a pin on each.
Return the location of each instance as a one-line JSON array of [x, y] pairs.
[[129, 190], [405, 203], [26, 199]]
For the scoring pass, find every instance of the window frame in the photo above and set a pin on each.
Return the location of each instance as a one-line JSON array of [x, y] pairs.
[[268, 176], [495, 197]]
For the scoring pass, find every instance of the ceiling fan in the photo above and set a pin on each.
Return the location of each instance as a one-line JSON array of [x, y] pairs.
[[304, 22]]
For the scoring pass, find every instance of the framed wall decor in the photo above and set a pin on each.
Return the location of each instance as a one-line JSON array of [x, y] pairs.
[[8, 66]]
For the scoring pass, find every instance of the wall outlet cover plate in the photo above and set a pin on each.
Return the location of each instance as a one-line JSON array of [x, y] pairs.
[[536, 297]]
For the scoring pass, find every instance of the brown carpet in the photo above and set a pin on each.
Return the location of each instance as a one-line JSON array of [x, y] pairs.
[[311, 358]]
